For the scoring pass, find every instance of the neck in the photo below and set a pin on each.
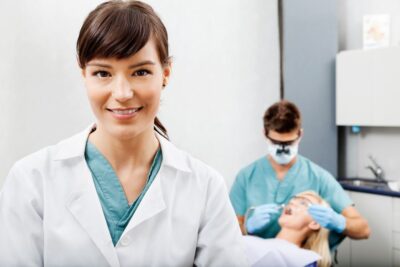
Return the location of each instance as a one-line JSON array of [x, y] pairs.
[[293, 236], [279, 169], [136, 152]]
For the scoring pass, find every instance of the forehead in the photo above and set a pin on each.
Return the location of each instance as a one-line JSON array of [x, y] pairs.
[[147, 53], [306, 197]]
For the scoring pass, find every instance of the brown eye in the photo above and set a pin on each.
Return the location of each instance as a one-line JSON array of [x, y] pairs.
[[141, 73], [101, 74]]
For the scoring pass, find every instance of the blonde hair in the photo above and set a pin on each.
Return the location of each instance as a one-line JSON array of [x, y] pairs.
[[317, 241]]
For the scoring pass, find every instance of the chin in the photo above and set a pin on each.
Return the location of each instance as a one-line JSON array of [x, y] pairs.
[[124, 132], [282, 220]]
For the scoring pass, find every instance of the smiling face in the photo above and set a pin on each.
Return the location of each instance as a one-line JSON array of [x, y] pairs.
[[125, 93], [295, 215]]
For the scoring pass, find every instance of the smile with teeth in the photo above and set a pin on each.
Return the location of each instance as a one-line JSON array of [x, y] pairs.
[[125, 111]]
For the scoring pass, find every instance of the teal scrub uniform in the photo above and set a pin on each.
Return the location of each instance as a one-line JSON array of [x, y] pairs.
[[257, 184], [117, 211]]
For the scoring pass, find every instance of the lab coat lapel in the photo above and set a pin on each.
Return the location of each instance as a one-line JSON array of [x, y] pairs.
[[86, 208], [151, 204], [153, 201]]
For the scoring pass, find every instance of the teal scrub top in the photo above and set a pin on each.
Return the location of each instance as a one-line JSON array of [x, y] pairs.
[[257, 184], [116, 208]]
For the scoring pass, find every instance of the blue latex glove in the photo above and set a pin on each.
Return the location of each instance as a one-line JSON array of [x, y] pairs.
[[327, 218], [260, 217]]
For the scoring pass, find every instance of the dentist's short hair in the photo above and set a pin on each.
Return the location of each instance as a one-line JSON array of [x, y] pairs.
[[282, 117]]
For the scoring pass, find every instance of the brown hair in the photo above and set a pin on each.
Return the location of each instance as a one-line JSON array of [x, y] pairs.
[[282, 117], [118, 29]]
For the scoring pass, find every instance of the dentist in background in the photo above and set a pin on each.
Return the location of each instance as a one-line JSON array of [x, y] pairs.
[[263, 186], [119, 193]]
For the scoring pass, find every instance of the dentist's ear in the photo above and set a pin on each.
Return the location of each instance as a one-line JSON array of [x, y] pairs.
[[301, 132], [265, 133]]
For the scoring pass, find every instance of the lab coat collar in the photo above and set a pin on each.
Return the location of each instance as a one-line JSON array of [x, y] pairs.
[[172, 156], [75, 147]]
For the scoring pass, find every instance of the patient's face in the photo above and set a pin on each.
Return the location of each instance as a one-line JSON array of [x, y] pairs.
[[295, 215]]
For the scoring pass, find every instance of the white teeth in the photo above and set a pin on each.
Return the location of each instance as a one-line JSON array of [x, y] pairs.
[[125, 112]]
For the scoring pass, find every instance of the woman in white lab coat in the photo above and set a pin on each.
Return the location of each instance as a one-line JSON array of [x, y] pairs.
[[118, 193]]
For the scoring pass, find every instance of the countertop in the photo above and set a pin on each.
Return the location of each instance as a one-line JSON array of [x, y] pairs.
[[381, 190]]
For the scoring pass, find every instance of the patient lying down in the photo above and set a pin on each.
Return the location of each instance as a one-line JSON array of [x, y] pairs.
[[301, 241]]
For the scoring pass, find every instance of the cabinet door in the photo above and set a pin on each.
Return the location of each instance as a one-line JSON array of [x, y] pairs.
[[396, 215], [386, 86], [368, 87], [377, 250], [396, 258], [354, 91], [396, 232]]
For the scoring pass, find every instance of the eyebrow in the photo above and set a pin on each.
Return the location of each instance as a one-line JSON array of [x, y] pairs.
[[142, 63]]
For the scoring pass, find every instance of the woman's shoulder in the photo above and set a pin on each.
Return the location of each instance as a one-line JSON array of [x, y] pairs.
[[256, 167], [313, 169], [70, 147]]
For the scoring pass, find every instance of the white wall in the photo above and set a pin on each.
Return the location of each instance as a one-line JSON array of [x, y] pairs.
[[225, 75], [380, 142], [351, 14], [42, 96]]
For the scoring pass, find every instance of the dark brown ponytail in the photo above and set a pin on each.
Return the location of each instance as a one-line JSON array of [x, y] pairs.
[[159, 127]]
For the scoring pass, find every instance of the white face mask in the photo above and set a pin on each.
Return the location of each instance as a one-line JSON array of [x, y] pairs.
[[283, 155]]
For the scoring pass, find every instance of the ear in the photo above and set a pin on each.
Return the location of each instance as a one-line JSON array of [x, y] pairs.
[[313, 225], [301, 132], [83, 72], [166, 73], [79, 65], [265, 133]]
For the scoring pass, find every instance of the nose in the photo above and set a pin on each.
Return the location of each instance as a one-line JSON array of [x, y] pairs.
[[122, 90]]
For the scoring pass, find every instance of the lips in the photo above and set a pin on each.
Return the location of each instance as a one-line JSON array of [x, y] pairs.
[[124, 113]]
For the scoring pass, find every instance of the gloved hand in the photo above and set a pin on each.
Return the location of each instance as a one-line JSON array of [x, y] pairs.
[[260, 217], [327, 218]]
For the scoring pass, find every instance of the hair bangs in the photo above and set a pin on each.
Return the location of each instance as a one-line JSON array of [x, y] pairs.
[[119, 34]]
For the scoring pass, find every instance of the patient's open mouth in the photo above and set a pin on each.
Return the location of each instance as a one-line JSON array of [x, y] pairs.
[[288, 211]]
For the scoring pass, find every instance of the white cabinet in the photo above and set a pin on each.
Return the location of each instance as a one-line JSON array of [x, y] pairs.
[[368, 87], [396, 232], [396, 257], [378, 249]]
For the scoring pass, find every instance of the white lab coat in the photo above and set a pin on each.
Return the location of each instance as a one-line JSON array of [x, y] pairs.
[[50, 215]]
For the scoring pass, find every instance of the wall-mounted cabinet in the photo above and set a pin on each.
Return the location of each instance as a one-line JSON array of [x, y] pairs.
[[368, 87]]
